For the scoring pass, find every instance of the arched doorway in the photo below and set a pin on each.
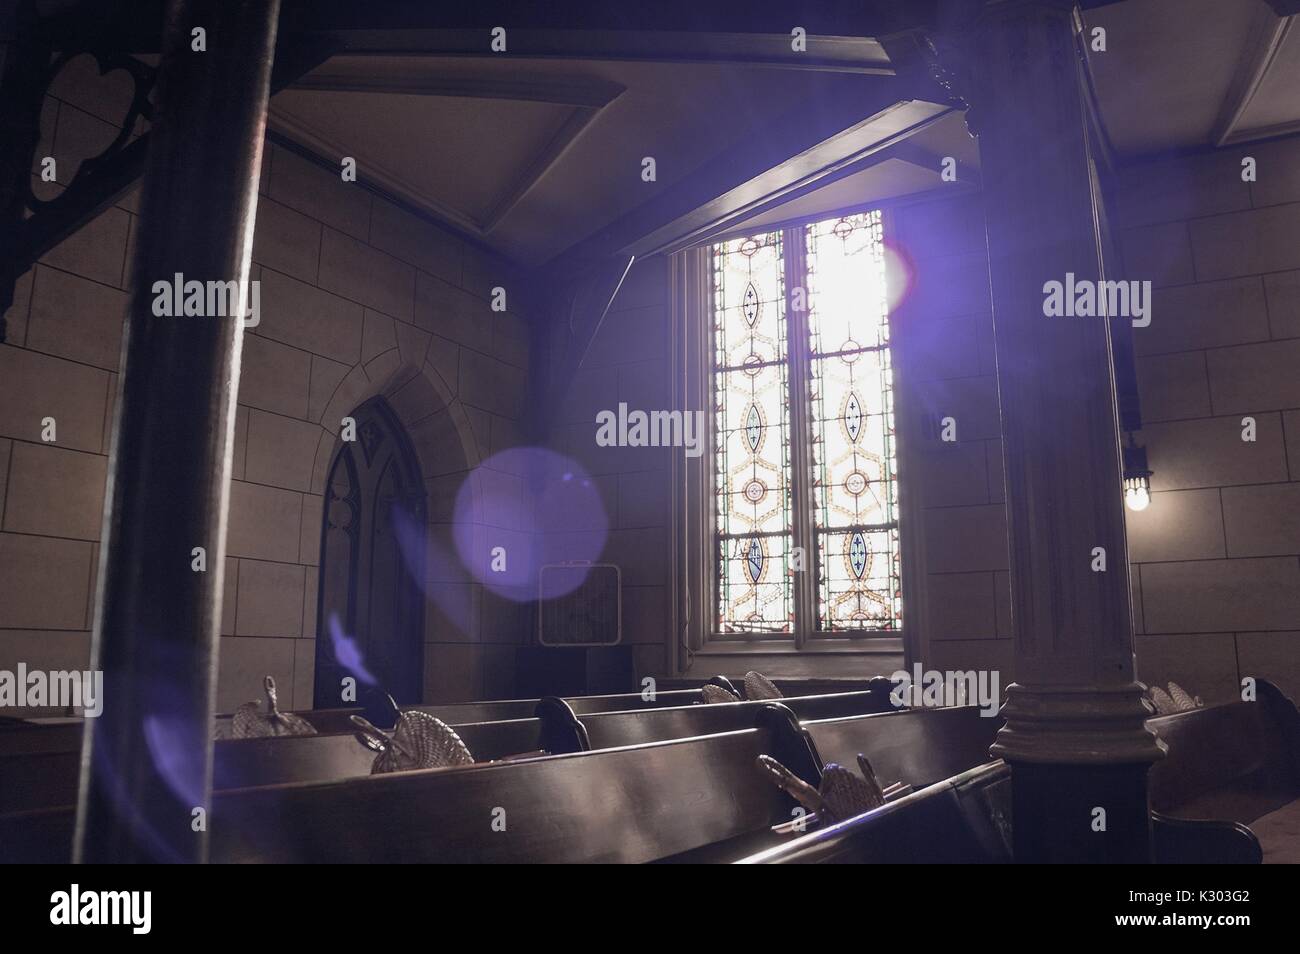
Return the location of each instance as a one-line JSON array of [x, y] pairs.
[[371, 607]]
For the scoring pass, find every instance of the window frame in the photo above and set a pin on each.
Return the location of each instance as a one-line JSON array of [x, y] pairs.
[[693, 543]]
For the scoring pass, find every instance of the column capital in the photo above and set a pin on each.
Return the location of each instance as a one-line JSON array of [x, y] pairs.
[[954, 56]]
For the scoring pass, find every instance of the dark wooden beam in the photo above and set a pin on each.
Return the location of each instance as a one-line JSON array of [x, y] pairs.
[[820, 17], [353, 76], [748, 30], [799, 149], [852, 54], [146, 770], [968, 177], [842, 34]]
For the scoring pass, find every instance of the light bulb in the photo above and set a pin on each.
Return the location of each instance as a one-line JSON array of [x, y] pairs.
[[1136, 496]]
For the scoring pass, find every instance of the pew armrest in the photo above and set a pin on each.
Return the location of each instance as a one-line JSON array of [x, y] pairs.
[[561, 732], [1187, 841]]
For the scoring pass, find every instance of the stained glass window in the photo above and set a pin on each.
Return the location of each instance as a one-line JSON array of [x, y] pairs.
[[752, 436], [846, 422], [855, 486]]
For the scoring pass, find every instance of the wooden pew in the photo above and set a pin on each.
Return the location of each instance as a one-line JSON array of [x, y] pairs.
[[1228, 789], [931, 745], [566, 732], [244, 763], [729, 764], [501, 710], [337, 720], [523, 708], [17, 737], [960, 820], [44, 770], [917, 747], [44, 775], [42, 779], [1227, 766], [635, 804], [698, 799], [20, 738]]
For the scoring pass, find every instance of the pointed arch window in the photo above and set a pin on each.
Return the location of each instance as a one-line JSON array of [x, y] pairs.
[[370, 607], [805, 474]]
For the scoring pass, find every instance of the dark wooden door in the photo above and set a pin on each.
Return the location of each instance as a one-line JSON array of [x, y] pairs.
[[370, 614]]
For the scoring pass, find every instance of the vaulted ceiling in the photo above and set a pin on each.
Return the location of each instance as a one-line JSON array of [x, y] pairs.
[[1181, 74], [535, 156], [532, 156]]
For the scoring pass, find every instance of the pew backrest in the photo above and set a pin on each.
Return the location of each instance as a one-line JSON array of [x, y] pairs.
[[616, 729], [25, 739], [19, 737], [1234, 762], [636, 804], [501, 710], [918, 747], [960, 820], [45, 779], [687, 799]]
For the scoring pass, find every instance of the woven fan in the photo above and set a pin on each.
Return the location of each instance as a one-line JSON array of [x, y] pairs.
[[841, 794], [1182, 699], [758, 686], [248, 723], [1163, 703], [847, 794], [712, 694], [419, 741]]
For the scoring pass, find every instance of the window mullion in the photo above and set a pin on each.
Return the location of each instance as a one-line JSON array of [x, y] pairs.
[[797, 347]]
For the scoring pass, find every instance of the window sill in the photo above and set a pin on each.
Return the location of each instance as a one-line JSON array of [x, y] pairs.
[[817, 646]]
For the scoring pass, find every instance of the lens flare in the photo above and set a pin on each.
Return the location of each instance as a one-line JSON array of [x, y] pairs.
[[347, 653], [522, 508]]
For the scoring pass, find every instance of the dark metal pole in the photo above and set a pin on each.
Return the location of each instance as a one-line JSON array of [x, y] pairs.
[[147, 760]]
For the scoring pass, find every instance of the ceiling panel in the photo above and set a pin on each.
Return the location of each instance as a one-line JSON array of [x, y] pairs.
[[1271, 106], [531, 156], [454, 155], [534, 177], [1167, 69]]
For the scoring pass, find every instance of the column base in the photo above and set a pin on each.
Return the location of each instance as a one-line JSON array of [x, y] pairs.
[[1077, 725], [1079, 758]]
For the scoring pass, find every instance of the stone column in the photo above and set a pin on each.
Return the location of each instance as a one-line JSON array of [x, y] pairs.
[[1074, 734], [147, 760]]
